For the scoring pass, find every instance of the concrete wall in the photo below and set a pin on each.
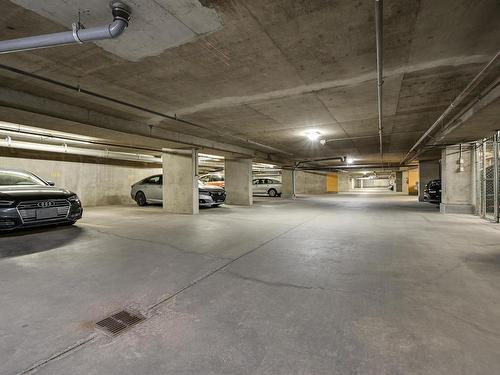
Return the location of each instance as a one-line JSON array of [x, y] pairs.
[[375, 183], [428, 170], [344, 183], [305, 183], [95, 184], [310, 183]]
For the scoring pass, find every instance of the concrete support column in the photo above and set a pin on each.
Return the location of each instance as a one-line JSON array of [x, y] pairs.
[[344, 184], [180, 181], [399, 182], [405, 182], [456, 187], [238, 181], [427, 171], [288, 183]]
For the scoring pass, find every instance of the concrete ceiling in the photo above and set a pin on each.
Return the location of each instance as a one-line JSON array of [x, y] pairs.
[[261, 71]]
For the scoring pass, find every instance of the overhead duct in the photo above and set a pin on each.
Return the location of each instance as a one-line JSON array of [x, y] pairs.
[[121, 16]]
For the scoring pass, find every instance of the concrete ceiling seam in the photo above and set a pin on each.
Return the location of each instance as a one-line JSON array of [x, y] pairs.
[[320, 86], [79, 35]]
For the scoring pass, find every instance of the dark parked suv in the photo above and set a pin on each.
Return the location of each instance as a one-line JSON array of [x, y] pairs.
[[432, 191]]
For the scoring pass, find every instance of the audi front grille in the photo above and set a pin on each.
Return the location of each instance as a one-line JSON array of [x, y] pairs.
[[43, 210]]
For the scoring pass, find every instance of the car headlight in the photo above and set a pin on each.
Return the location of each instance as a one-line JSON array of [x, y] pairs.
[[74, 198], [6, 203]]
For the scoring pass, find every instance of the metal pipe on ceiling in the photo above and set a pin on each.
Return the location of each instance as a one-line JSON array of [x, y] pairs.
[[64, 148], [339, 158], [351, 167], [81, 90], [121, 16], [458, 100], [44, 136], [325, 141], [379, 22]]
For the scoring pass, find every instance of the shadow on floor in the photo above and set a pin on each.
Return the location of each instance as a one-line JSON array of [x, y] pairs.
[[36, 240]]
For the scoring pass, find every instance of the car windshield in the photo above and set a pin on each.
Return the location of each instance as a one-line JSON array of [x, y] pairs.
[[8, 178]]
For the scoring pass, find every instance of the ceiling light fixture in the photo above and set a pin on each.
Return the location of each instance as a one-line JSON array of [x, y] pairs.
[[313, 135], [349, 160]]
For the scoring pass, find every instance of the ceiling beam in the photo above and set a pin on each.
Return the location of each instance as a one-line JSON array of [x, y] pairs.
[[20, 105]]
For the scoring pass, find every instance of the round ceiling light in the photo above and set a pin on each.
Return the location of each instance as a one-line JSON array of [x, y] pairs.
[[312, 135]]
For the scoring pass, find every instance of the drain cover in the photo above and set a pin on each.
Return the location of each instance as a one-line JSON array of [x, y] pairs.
[[119, 322]]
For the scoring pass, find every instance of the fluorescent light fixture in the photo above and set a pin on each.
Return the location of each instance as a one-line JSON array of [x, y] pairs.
[[349, 160], [264, 165], [312, 135], [208, 156]]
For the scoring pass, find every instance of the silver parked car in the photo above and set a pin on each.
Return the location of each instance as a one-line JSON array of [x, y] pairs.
[[150, 190], [267, 186]]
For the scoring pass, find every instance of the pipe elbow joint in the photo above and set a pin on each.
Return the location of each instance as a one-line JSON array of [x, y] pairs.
[[116, 28], [121, 16]]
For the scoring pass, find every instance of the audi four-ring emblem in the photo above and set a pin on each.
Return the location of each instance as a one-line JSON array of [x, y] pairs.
[[45, 204]]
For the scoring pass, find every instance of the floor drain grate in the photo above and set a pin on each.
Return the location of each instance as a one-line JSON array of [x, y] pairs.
[[119, 322]]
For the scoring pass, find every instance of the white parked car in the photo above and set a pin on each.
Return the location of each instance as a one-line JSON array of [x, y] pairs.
[[267, 186], [150, 190]]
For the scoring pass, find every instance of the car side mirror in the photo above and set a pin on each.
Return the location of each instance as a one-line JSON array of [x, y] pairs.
[[51, 183]]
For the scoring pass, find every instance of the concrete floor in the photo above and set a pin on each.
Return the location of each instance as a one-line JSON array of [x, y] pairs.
[[346, 284]]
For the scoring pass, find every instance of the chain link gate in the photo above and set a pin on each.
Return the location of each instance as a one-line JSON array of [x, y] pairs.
[[487, 178]]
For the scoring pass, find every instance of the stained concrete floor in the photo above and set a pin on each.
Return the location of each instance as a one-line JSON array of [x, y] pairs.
[[346, 284]]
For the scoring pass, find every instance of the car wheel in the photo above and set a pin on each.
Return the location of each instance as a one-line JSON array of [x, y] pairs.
[[140, 199], [272, 193]]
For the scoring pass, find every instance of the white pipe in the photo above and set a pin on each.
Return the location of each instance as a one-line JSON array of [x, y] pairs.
[[64, 148], [379, 22]]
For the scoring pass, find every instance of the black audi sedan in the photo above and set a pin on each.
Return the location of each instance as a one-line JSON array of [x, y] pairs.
[[432, 191], [28, 201]]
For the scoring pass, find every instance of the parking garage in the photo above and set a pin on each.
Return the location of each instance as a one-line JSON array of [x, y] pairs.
[[249, 187]]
